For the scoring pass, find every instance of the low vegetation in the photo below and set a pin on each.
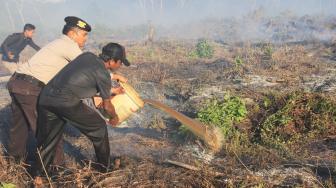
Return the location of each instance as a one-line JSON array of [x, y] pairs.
[[204, 49], [272, 129], [299, 118], [223, 114]]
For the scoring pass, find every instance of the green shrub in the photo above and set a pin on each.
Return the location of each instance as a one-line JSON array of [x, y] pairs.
[[238, 61], [268, 51], [193, 54], [223, 113], [302, 116], [204, 49], [7, 185]]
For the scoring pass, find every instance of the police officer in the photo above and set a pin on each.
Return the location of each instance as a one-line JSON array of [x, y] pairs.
[[26, 83], [14, 44], [60, 101]]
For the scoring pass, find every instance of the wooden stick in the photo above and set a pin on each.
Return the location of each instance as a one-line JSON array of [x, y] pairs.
[[182, 165], [49, 180], [191, 167]]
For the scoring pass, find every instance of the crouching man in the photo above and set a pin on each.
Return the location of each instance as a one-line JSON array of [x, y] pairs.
[[28, 80], [60, 101]]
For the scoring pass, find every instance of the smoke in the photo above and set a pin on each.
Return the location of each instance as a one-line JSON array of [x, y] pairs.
[[215, 19], [49, 1]]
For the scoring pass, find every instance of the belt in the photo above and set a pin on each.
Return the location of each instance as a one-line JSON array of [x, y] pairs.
[[30, 79]]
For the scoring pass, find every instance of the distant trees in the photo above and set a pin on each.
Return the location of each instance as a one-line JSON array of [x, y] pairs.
[[152, 3]]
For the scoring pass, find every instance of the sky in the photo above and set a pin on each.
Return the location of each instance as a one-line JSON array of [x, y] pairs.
[[165, 12]]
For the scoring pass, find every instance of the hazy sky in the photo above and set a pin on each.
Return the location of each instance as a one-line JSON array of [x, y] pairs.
[[48, 15], [128, 12]]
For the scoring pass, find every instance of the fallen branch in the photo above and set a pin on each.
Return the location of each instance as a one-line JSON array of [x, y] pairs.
[[190, 167], [182, 165]]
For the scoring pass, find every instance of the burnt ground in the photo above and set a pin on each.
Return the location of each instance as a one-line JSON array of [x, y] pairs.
[[150, 137]]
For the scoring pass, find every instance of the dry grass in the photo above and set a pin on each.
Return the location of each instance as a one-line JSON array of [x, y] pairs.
[[144, 173], [169, 63], [13, 173]]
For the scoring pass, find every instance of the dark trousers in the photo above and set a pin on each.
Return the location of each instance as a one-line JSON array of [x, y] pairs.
[[51, 122], [24, 118], [23, 126]]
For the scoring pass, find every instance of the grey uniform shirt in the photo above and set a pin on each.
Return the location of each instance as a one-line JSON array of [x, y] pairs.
[[82, 78], [47, 62]]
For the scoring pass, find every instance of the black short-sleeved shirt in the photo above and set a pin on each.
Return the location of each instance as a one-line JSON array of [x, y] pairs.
[[82, 78]]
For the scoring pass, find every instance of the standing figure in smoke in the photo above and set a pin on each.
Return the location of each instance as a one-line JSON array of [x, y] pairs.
[[13, 45]]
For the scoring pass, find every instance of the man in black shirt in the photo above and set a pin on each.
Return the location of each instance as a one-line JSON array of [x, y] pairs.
[[15, 43], [60, 100]]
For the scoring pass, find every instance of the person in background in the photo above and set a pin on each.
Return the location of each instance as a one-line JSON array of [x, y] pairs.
[[13, 45]]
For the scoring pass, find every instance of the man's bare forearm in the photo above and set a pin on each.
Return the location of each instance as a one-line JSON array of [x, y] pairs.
[[109, 108]]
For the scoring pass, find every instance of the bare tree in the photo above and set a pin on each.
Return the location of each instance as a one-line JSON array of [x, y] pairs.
[[254, 6], [161, 4], [152, 3], [19, 7], [182, 3], [10, 16], [142, 6], [37, 12], [150, 33]]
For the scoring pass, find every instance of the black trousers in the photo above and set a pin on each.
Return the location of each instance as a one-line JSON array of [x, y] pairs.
[[50, 127]]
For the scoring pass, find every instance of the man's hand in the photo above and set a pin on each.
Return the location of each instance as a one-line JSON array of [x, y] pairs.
[[109, 108], [117, 90], [119, 78], [10, 55], [114, 121]]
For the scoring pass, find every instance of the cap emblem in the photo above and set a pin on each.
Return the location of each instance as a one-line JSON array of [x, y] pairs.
[[81, 24]]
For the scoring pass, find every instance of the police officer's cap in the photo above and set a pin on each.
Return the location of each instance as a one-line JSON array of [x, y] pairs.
[[115, 51], [74, 21]]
